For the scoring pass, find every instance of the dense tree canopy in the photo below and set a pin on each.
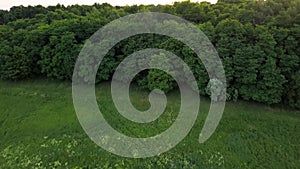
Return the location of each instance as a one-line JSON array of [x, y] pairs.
[[257, 40]]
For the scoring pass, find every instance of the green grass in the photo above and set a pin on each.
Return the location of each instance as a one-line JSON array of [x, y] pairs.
[[39, 129]]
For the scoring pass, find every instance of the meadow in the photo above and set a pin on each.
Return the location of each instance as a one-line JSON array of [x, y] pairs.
[[39, 129]]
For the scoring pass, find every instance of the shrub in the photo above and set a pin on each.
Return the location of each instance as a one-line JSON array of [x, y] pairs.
[[158, 79], [215, 89], [59, 56], [14, 63]]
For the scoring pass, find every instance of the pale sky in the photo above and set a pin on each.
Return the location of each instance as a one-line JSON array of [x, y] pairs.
[[6, 4]]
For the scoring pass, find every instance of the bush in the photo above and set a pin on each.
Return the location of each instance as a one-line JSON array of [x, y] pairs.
[[215, 89], [158, 79], [14, 63], [59, 56]]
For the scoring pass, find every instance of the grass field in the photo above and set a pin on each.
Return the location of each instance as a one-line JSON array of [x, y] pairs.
[[39, 129]]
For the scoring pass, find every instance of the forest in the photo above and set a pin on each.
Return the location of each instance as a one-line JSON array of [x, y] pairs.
[[257, 40]]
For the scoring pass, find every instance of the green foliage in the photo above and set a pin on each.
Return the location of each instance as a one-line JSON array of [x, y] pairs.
[[59, 56], [158, 79], [89, 63], [258, 42], [270, 83], [14, 63], [270, 80], [230, 37], [293, 96]]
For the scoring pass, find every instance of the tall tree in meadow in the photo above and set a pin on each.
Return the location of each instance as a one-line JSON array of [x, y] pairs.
[[270, 80], [229, 38], [290, 63]]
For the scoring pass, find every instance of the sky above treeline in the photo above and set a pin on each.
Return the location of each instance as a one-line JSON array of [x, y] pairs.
[[7, 4]]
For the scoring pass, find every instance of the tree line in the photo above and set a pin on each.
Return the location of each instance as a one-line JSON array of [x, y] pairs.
[[258, 42]]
